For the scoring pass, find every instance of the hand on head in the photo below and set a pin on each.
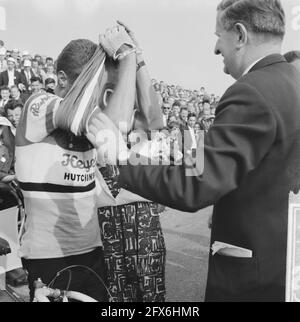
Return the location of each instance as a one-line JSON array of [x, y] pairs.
[[107, 139]]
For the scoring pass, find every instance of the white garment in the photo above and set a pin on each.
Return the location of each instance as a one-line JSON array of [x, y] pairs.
[[165, 120], [193, 137], [11, 78], [28, 76]]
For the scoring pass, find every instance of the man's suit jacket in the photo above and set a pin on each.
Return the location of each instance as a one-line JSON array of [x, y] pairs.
[[24, 79], [4, 78], [251, 163]]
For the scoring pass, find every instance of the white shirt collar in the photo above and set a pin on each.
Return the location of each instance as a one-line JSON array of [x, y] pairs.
[[252, 65]]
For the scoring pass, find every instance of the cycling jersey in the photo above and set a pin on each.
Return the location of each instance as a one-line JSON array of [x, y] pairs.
[[56, 171]]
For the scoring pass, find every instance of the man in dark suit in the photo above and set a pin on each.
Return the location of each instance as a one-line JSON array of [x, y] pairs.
[[11, 76], [251, 158], [26, 75]]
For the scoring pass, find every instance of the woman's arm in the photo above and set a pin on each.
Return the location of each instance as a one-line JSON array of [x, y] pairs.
[[149, 115], [120, 106]]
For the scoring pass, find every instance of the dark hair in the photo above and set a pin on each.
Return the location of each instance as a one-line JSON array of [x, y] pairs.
[[291, 56], [36, 79], [192, 115], [49, 80], [4, 88], [259, 16], [12, 105], [176, 103], [49, 58], [74, 56], [206, 99], [173, 124]]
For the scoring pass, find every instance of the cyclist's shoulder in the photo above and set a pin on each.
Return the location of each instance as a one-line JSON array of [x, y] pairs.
[[36, 101]]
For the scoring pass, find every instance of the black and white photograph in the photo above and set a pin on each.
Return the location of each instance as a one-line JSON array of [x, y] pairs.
[[149, 153]]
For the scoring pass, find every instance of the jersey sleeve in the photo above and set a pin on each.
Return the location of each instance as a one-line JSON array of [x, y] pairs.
[[38, 120]]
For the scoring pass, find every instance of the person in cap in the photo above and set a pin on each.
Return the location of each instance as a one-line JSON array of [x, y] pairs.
[[10, 76], [26, 55], [15, 54], [27, 74]]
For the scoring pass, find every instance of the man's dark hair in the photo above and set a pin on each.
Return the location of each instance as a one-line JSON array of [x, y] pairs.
[[49, 80], [49, 58], [291, 56], [173, 124], [74, 56], [4, 88], [192, 115], [206, 99], [12, 105], [36, 79], [176, 103]]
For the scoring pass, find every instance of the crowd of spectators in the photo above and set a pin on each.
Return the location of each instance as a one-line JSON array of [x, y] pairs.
[[181, 107], [187, 114], [21, 75]]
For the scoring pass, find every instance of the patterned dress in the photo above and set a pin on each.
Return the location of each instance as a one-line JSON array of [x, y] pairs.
[[134, 248]]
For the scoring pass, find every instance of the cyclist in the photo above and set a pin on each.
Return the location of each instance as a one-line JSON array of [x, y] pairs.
[[56, 171]]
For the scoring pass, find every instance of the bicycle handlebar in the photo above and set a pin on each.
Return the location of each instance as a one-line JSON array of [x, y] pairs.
[[43, 293]]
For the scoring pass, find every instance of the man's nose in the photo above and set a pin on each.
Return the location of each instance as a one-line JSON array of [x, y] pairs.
[[217, 51]]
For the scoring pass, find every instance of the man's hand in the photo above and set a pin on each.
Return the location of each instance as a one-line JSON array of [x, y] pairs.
[[133, 38], [130, 32], [116, 42], [22, 87], [107, 139]]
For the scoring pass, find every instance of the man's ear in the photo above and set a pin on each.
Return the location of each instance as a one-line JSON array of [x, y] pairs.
[[242, 34], [62, 79]]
